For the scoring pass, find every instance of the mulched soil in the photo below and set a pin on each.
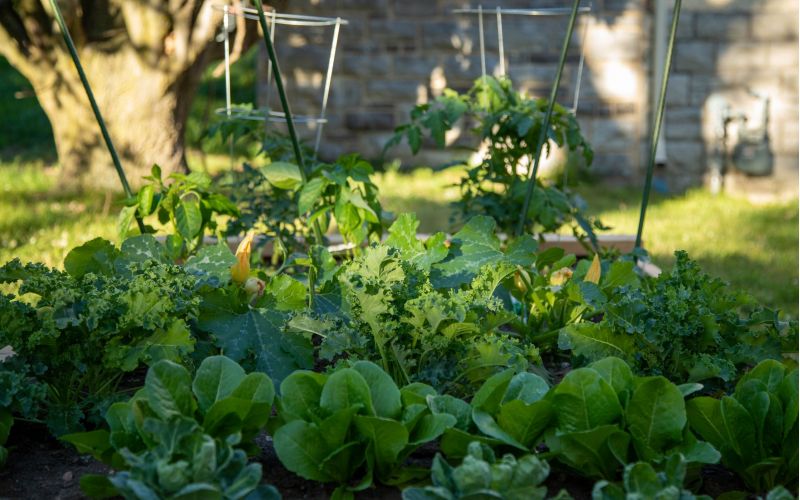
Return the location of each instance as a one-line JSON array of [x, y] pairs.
[[40, 467]]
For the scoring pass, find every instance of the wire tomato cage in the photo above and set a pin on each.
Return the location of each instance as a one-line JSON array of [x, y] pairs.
[[273, 20], [499, 12]]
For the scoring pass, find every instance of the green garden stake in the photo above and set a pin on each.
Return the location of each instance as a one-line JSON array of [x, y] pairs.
[[658, 118], [546, 123], [298, 154], [98, 116]]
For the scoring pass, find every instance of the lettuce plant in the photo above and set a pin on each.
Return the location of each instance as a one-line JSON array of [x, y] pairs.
[[182, 438], [755, 428], [641, 480], [482, 475], [353, 427]]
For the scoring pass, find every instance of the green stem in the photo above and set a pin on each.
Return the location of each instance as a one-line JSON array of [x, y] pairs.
[[298, 153], [98, 116], [658, 118], [546, 123]]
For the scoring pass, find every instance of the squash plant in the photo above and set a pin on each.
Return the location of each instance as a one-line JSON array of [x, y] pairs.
[[353, 427], [183, 438]]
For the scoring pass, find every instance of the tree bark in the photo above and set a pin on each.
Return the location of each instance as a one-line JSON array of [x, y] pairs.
[[145, 111], [143, 60]]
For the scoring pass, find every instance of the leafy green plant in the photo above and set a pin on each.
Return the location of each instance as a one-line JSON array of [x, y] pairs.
[[556, 292], [755, 428], [509, 410], [684, 325], [509, 123], [641, 480], [606, 418], [395, 305], [353, 427], [179, 438], [481, 475], [188, 203], [78, 332]]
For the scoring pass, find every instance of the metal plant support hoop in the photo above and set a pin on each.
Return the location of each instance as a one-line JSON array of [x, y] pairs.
[[499, 12], [275, 19]]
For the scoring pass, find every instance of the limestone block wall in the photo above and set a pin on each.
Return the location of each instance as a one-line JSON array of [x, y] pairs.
[[394, 54], [725, 49]]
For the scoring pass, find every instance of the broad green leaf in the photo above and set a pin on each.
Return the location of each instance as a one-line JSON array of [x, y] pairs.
[[310, 193], [487, 425], [225, 417], [769, 371], [526, 387], [656, 416], [430, 427], [212, 260], [126, 215], [95, 256], [739, 427], [344, 389], [283, 175], [584, 400], [257, 334], [641, 479], [216, 378], [188, 217], [690, 388], [122, 424], [144, 200], [590, 452], [788, 394], [95, 443], [301, 448], [473, 247], [335, 428], [388, 438], [492, 392], [301, 392], [140, 248], [617, 373], [450, 405], [290, 294], [98, 486], [525, 422], [595, 341], [257, 388], [385, 394], [705, 418], [168, 390], [416, 393], [455, 442]]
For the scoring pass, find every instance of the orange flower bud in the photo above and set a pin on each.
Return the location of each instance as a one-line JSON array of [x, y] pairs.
[[241, 270]]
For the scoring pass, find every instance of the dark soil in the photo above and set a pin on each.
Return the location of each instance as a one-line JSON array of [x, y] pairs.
[[40, 467]]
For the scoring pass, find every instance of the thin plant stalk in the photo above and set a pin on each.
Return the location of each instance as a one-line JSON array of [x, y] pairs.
[[546, 122], [657, 120], [98, 116], [298, 153]]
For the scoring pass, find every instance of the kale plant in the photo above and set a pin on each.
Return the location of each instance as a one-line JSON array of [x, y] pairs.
[[684, 325], [420, 312]]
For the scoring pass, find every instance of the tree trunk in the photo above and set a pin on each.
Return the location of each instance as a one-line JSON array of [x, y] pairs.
[[145, 112]]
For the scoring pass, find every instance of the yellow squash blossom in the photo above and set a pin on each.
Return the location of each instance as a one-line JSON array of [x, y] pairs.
[[241, 270]]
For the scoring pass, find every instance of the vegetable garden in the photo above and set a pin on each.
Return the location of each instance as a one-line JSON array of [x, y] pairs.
[[473, 365]]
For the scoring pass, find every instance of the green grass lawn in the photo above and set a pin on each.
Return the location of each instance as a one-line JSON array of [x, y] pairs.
[[754, 247]]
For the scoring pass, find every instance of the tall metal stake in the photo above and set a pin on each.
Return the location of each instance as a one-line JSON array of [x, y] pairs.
[[99, 117], [298, 154], [546, 123], [657, 119]]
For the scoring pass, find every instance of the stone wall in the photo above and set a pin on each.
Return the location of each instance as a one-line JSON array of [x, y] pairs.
[[724, 49], [394, 54]]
